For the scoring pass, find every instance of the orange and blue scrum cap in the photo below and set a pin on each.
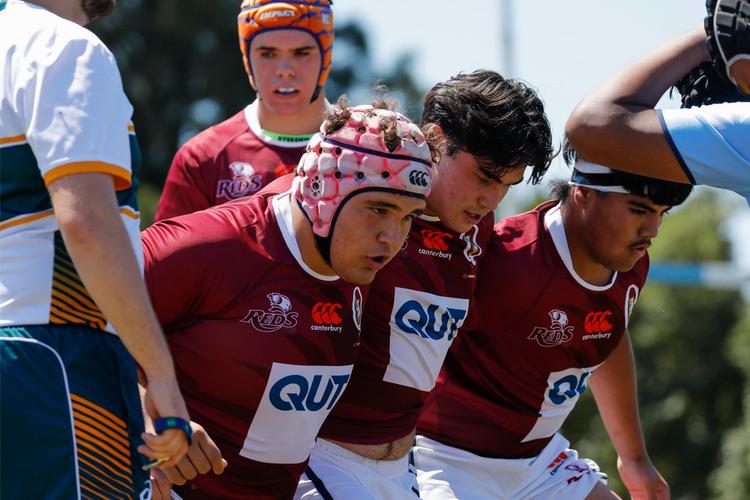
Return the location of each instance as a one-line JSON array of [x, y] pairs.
[[314, 17]]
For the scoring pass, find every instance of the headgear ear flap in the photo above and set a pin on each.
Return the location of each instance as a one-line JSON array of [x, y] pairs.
[[314, 17]]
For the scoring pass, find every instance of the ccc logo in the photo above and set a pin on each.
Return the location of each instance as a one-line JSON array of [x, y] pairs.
[[598, 322], [419, 178], [326, 313], [435, 240]]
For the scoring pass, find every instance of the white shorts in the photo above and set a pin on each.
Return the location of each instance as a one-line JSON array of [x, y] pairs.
[[445, 472], [339, 474]]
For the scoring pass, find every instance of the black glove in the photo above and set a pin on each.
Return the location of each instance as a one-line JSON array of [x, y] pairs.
[[703, 85], [728, 32]]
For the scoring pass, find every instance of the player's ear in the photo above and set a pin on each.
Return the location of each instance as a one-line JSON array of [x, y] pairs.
[[252, 84], [582, 195]]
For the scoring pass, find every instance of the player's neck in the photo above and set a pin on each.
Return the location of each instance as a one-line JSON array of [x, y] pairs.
[[584, 262], [70, 10], [305, 237], [306, 122]]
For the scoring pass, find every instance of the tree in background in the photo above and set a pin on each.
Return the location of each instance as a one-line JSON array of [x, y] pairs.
[[731, 480], [182, 70], [690, 384]]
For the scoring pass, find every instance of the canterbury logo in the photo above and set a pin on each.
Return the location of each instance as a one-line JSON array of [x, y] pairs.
[[435, 240], [419, 178], [326, 313], [598, 322]]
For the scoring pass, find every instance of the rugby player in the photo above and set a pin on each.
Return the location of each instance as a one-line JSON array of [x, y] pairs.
[[488, 130], [286, 49], [70, 277], [261, 299], [555, 293], [617, 124]]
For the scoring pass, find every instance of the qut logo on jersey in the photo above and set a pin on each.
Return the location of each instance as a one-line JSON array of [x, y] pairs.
[[428, 319], [296, 399], [279, 315], [423, 326], [300, 393], [568, 387]]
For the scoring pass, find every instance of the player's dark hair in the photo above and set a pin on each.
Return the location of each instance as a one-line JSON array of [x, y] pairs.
[[94, 9], [559, 189], [501, 122]]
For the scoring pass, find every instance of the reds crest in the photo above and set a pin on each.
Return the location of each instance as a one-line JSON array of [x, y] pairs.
[[244, 181], [558, 332], [278, 315]]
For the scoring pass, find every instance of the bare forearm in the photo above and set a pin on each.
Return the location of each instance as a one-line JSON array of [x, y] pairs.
[[614, 388], [99, 245]]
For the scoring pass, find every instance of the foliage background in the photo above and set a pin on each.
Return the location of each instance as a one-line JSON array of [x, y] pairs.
[[182, 70]]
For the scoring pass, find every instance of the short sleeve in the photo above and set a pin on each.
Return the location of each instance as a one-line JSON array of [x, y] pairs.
[[712, 143], [77, 117], [184, 191]]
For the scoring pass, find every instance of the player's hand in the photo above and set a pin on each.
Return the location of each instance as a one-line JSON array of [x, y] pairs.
[[163, 399], [202, 457], [642, 479], [160, 485]]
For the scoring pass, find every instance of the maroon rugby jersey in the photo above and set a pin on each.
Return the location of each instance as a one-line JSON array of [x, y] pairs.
[[263, 345], [227, 161], [413, 312], [508, 386]]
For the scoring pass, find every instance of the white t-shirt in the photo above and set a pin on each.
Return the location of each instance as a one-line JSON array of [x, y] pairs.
[[712, 143], [62, 111]]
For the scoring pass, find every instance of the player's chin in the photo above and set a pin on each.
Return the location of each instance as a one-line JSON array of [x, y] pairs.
[[358, 275], [626, 263]]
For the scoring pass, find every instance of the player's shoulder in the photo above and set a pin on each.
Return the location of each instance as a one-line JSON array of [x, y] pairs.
[[211, 142], [37, 31], [517, 233]]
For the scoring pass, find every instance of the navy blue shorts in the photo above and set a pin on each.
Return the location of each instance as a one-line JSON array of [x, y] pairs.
[[71, 415]]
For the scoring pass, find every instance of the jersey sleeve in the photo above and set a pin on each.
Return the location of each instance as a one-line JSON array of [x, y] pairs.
[[711, 143], [185, 190], [185, 266], [76, 115]]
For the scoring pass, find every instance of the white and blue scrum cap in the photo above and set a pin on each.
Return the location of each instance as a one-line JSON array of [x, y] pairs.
[[608, 180]]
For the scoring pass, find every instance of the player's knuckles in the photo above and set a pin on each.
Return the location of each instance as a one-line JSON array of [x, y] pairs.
[[200, 462], [174, 476], [187, 470]]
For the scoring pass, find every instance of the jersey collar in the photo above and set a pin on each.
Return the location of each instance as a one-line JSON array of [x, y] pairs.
[[554, 224], [282, 209]]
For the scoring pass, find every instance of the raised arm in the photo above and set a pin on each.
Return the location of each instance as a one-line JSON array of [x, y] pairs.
[[616, 125]]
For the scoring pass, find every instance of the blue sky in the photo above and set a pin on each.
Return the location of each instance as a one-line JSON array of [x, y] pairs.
[[564, 49]]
